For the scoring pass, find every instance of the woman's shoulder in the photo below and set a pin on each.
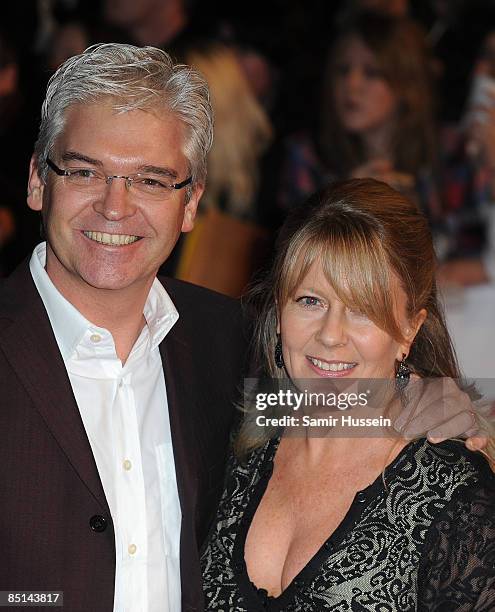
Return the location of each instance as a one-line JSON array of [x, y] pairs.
[[249, 466], [259, 456], [450, 466], [456, 569]]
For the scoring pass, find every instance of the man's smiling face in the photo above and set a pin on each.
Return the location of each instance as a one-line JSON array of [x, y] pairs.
[[142, 231]]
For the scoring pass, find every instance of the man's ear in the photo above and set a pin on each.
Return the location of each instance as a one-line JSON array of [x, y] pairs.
[[35, 186], [410, 333], [191, 208]]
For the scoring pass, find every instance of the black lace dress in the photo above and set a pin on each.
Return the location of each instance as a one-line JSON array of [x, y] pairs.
[[425, 541]]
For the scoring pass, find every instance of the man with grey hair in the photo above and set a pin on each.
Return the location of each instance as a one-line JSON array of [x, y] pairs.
[[117, 388]]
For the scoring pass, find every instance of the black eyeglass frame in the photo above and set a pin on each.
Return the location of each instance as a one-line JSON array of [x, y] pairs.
[[61, 172]]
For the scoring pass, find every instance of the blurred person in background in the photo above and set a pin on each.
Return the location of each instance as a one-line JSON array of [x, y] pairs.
[[18, 231], [156, 22], [377, 115], [468, 278], [242, 131], [67, 27], [394, 8], [171, 25], [378, 121], [378, 110], [8, 89], [454, 29], [227, 243], [469, 178], [69, 39]]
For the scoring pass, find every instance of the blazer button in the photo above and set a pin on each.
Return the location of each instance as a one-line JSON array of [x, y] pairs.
[[98, 523]]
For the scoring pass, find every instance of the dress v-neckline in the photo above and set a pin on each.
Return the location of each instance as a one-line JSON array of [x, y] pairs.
[[258, 598]]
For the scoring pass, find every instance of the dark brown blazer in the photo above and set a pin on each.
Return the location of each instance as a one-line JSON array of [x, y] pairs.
[[56, 531]]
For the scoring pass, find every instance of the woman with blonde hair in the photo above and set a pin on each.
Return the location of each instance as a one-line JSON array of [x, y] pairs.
[[228, 244], [242, 131], [331, 518]]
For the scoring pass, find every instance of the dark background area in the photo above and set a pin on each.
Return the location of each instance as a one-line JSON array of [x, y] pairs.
[[293, 35]]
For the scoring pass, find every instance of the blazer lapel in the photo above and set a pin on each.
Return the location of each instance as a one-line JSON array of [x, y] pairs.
[[27, 340], [180, 382]]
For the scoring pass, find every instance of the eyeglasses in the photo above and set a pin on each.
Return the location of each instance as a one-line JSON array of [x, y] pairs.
[[89, 180]]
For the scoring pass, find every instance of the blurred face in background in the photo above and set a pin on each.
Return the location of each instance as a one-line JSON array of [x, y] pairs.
[[126, 13], [396, 8], [485, 63], [364, 101]]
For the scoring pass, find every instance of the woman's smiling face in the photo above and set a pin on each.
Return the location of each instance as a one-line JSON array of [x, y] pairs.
[[323, 337]]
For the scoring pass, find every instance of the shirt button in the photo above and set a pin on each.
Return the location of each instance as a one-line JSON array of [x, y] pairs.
[[95, 338], [132, 549], [98, 523], [127, 464]]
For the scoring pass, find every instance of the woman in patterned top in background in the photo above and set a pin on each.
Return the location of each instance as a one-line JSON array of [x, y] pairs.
[[377, 121], [377, 114], [362, 523]]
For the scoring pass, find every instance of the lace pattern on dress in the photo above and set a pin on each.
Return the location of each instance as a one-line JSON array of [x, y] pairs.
[[425, 542]]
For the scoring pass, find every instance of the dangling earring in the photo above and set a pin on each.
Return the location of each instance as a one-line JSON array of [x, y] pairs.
[[402, 375], [279, 358]]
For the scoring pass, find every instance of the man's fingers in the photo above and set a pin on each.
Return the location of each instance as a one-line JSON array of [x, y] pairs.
[[452, 426], [436, 405], [477, 441], [423, 406], [456, 426]]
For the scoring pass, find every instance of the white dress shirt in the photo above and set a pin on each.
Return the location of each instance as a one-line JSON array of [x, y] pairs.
[[125, 413]]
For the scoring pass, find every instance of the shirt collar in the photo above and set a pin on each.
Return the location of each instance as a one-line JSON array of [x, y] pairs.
[[69, 325]]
